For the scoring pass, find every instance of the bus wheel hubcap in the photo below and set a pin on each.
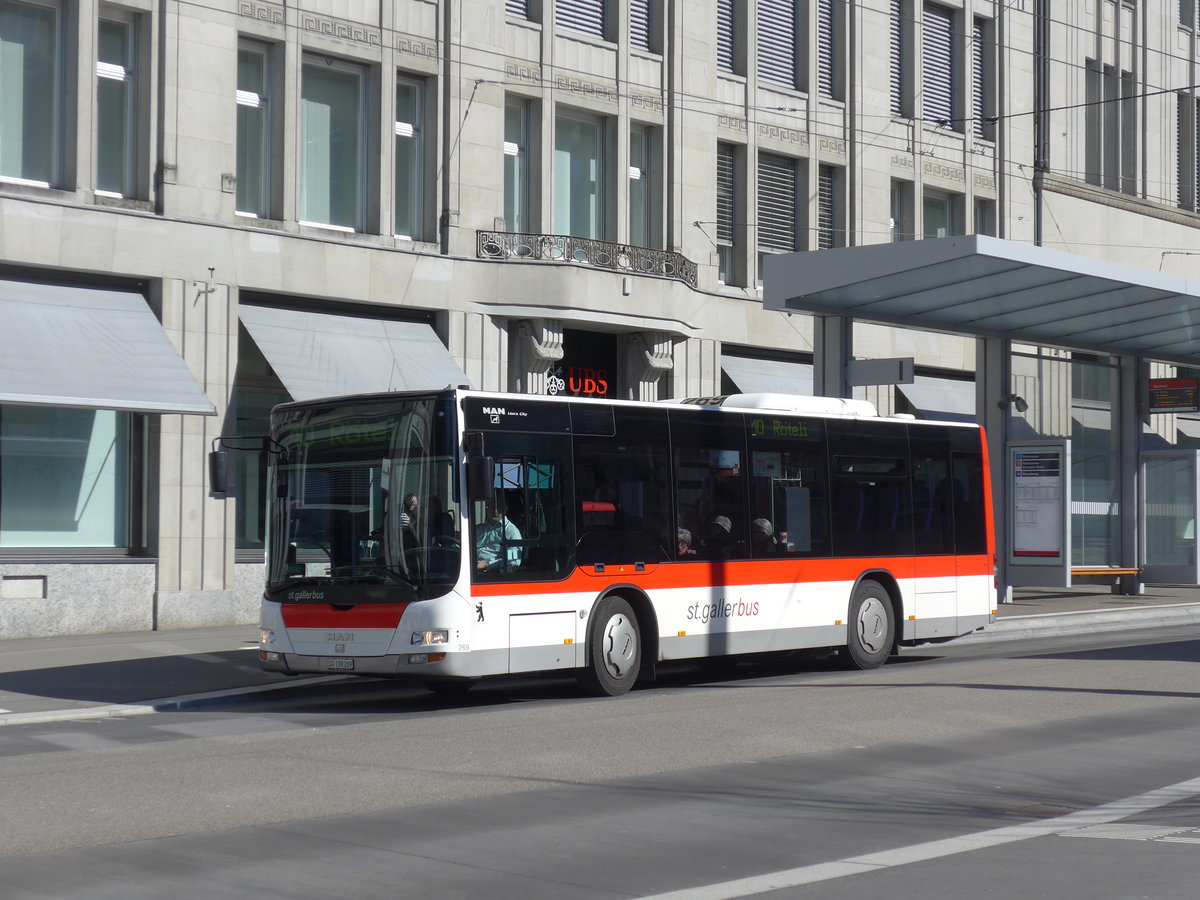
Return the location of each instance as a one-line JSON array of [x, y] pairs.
[[620, 646], [872, 624]]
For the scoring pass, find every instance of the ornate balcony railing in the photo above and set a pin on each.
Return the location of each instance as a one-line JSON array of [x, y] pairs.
[[602, 254]]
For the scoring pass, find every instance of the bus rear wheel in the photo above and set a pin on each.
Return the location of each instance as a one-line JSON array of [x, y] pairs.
[[614, 649], [872, 627]]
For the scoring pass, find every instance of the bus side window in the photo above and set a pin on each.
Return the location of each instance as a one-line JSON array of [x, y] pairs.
[[788, 486], [870, 488], [710, 471], [526, 532], [623, 512], [932, 520]]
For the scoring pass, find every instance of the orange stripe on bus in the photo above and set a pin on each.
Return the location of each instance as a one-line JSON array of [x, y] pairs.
[[738, 573]]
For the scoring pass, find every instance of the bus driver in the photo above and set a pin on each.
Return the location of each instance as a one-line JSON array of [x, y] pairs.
[[491, 538]]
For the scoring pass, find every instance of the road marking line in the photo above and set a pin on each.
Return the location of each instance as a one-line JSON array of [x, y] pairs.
[[965, 843]]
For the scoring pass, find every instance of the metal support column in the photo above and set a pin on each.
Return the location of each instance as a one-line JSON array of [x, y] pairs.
[[993, 399], [1129, 420], [833, 339]]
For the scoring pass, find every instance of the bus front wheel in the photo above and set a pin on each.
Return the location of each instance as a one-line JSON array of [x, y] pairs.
[[614, 649], [872, 628]]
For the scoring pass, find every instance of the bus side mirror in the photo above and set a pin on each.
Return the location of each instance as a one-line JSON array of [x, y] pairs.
[[481, 478], [218, 471]]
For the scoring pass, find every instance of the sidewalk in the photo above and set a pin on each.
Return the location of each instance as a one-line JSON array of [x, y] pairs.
[[97, 676]]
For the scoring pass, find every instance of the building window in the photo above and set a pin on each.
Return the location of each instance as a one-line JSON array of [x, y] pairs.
[[31, 112], [579, 183], [69, 477], [643, 187], [516, 9], [938, 67], [517, 203], [1111, 128], [902, 211], [899, 61], [942, 214], [779, 32], [1187, 13], [829, 48], [730, 58], [831, 228], [727, 185], [985, 217], [410, 160], [1187, 142], [983, 80], [116, 109], [333, 165], [643, 29], [254, 130], [780, 223], [584, 16]]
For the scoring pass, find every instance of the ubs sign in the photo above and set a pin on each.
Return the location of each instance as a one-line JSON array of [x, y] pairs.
[[587, 368]]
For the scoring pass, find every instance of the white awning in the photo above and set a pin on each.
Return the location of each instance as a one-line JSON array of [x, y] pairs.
[[770, 376], [90, 348], [947, 399], [328, 355]]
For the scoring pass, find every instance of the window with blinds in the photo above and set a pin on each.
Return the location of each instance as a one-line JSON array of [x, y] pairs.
[[937, 65], [727, 56], [586, 16], [827, 50], [898, 60], [982, 55], [1187, 150], [777, 203], [641, 25], [725, 188], [778, 30], [726, 206], [827, 208], [1187, 13], [516, 9]]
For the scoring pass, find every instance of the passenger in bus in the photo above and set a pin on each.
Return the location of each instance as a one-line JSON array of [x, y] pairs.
[[496, 540], [683, 542], [410, 514], [440, 525], [720, 540], [762, 538]]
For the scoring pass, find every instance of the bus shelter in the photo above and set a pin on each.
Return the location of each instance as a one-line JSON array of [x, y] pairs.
[[1081, 382]]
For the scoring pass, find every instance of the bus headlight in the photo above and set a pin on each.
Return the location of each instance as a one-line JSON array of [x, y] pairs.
[[435, 636], [266, 636]]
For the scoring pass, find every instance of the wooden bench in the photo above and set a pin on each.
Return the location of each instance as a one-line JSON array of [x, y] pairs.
[[1124, 580]]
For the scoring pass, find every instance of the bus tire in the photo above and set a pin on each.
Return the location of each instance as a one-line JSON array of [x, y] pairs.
[[614, 649], [871, 626]]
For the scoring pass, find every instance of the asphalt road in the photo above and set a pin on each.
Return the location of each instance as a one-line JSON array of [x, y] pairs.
[[990, 770]]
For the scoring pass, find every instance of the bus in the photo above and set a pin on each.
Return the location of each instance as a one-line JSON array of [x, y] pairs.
[[452, 535]]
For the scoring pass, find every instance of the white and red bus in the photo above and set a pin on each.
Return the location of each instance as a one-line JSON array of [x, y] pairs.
[[454, 535]]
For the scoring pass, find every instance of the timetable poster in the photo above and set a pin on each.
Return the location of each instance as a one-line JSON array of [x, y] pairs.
[[1038, 506]]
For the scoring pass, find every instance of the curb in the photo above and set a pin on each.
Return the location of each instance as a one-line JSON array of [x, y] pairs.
[[1085, 622]]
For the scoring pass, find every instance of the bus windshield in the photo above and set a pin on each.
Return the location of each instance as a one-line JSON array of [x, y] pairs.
[[363, 500]]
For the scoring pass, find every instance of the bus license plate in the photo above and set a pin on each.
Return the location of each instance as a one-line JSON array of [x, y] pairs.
[[337, 664]]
